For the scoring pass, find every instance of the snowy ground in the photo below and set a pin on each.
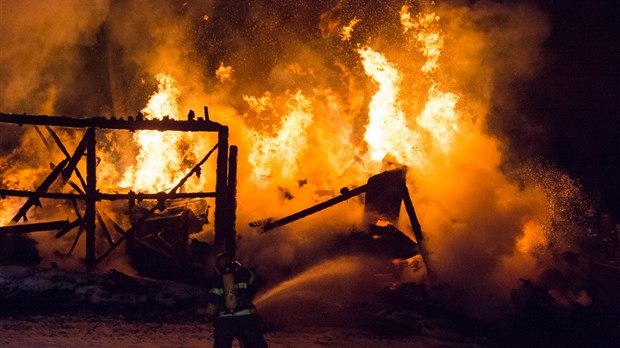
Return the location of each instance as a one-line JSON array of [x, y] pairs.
[[106, 331], [63, 308]]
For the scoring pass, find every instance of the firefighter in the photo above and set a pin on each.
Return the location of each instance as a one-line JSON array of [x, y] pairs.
[[230, 306]]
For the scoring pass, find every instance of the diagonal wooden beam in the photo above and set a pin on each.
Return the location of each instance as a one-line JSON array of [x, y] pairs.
[[104, 228], [77, 238], [196, 170], [58, 142], [75, 223], [34, 200]]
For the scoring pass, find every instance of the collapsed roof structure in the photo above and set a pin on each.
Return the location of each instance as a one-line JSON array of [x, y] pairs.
[[92, 218]]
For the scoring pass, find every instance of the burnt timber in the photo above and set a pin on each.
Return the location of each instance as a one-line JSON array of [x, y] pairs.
[[224, 194], [131, 123], [384, 192]]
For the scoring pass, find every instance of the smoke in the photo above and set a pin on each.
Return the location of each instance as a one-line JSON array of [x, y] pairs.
[[323, 293], [485, 216], [41, 54]]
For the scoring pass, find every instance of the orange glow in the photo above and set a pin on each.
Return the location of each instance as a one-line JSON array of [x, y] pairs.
[[224, 73], [426, 31], [533, 237], [310, 109], [345, 34], [439, 117], [277, 154], [156, 167], [387, 131], [259, 104]]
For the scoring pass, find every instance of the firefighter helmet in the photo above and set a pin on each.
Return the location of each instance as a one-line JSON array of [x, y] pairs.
[[222, 261]]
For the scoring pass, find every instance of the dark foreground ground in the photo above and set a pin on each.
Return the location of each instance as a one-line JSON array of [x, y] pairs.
[[60, 308]]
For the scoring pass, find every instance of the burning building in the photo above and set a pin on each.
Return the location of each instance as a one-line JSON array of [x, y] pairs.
[[317, 97]]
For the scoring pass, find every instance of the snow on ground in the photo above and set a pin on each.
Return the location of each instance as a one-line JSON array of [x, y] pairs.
[[63, 308], [104, 331]]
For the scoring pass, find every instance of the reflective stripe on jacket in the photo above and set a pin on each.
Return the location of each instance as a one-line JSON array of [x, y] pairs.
[[242, 285]]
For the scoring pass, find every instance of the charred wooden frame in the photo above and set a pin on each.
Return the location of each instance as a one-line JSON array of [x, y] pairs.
[[401, 191], [225, 186]]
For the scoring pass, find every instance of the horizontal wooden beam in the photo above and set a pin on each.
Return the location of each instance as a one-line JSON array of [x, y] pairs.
[[106, 196], [35, 227], [131, 123]]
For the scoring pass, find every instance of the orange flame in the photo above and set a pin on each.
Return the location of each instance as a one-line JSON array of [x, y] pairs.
[[278, 154], [157, 168], [224, 73], [387, 131], [347, 30]]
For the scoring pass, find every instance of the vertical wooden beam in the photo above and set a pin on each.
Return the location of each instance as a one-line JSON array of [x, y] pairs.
[[221, 188], [231, 214], [417, 230], [91, 199]]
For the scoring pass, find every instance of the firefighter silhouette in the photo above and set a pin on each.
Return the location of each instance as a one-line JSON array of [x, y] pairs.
[[231, 308]]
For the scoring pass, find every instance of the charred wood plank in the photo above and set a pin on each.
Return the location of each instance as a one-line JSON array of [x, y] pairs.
[[113, 247], [75, 223], [196, 170], [345, 195], [131, 124], [413, 218], [417, 229], [37, 194], [156, 196], [231, 208], [104, 228], [74, 160], [77, 238], [34, 227], [47, 145], [58, 142], [107, 196], [77, 188], [91, 199], [221, 185], [34, 199], [116, 226]]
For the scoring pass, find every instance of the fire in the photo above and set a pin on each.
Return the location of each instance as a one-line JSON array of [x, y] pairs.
[[387, 131], [157, 168], [533, 237], [439, 117], [299, 108], [345, 34], [260, 104], [427, 34], [277, 155], [224, 73]]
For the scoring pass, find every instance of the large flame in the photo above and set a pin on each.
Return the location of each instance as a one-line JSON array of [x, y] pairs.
[[387, 131], [157, 167], [278, 154]]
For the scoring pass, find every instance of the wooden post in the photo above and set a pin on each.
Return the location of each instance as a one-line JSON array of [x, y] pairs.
[[417, 230], [221, 189], [91, 199], [231, 207]]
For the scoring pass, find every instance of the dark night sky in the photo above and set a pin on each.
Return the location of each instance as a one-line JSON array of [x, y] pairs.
[[576, 97]]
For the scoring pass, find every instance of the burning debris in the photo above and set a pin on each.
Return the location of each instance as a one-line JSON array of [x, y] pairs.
[[165, 233], [384, 195]]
